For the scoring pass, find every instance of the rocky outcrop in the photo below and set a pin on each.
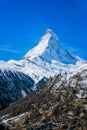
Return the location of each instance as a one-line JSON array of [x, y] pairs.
[[13, 86]]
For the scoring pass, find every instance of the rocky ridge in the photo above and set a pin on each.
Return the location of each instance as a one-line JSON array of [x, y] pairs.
[[58, 104]]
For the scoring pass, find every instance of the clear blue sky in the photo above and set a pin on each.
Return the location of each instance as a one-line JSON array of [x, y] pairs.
[[23, 22]]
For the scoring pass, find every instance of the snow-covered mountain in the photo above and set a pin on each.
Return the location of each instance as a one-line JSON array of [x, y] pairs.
[[49, 50], [48, 58]]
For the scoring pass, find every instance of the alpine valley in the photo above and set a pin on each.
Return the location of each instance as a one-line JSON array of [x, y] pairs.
[[46, 89]]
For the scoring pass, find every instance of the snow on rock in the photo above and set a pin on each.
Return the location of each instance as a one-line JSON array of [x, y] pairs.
[[23, 93], [47, 59], [49, 49], [6, 120]]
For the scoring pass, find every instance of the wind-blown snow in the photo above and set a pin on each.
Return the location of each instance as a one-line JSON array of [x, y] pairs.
[[23, 93]]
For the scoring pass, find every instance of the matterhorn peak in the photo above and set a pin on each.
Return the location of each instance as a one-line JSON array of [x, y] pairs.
[[49, 31], [49, 39], [49, 50], [51, 34], [46, 59], [48, 42]]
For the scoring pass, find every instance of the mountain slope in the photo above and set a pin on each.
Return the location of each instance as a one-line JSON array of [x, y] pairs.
[[13, 86], [60, 103], [47, 59]]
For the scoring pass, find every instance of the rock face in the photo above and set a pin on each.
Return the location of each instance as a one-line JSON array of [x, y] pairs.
[[13, 85], [57, 104]]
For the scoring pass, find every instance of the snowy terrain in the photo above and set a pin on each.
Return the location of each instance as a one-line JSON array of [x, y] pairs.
[[47, 59]]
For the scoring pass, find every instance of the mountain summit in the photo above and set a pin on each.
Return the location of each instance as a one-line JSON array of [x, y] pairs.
[[49, 49], [47, 59], [47, 42]]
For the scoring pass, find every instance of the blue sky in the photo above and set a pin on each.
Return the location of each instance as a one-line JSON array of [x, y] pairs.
[[23, 22]]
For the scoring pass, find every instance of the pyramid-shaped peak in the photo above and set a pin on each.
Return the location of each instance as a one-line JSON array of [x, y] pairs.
[[49, 49], [48, 42], [50, 34], [49, 31]]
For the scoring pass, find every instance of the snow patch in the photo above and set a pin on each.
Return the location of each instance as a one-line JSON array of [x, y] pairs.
[[23, 93]]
